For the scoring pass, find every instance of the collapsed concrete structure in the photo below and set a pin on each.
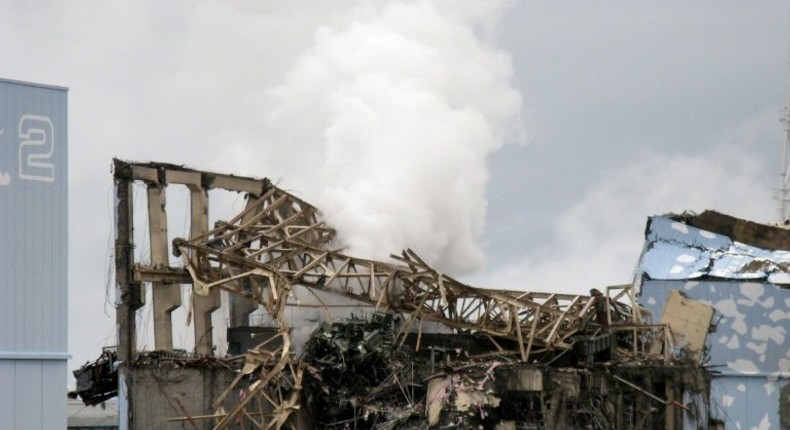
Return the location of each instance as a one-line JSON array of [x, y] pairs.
[[428, 351]]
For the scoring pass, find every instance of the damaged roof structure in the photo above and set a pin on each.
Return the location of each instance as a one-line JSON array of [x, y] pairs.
[[422, 350], [742, 269]]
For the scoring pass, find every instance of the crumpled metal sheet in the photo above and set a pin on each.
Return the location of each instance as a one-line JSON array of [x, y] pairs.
[[674, 250]]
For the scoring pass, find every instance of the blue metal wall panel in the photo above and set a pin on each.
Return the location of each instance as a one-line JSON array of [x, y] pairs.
[[747, 402], [33, 217], [7, 393], [28, 388], [55, 375], [752, 335], [749, 347], [33, 255]]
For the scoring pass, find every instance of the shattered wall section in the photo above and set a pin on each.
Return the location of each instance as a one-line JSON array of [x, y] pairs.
[[674, 250], [746, 286], [748, 348], [164, 395]]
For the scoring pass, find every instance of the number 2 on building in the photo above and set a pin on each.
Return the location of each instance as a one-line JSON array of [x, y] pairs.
[[37, 143]]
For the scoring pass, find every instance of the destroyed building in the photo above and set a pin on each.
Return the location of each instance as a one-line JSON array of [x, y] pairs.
[[742, 269], [400, 344]]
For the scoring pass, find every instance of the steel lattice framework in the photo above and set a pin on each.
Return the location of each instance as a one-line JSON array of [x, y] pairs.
[[279, 241]]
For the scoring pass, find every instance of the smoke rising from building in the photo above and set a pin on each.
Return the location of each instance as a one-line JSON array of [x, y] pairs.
[[387, 120]]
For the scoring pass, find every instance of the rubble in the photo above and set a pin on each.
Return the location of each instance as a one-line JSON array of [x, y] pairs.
[[357, 376]]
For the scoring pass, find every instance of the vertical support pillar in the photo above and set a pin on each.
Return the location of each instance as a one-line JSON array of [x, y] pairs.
[[129, 296], [167, 297], [669, 411], [204, 306]]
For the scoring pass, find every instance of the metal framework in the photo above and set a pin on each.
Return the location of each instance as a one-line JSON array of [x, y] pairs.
[[279, 241]]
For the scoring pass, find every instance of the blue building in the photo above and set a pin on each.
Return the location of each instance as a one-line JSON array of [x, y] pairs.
[[742, 269], [33, 256]]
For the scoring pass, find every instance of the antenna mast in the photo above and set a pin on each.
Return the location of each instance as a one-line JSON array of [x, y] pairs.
[[783, 193], [784, 177]]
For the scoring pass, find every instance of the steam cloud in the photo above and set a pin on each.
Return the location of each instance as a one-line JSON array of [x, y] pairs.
[[388, 119]]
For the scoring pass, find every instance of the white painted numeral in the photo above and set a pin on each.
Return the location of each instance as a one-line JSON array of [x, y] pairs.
[[5, 177], [37, 143]]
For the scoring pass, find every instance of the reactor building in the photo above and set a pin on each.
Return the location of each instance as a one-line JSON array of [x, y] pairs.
[[33, 255]]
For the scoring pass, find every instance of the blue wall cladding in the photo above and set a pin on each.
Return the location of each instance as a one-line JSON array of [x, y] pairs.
[[33, 255], [749, 347], [752, 322], [33, 218]]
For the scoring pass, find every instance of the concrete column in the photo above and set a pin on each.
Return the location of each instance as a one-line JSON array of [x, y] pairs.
[[167, 297], [204, 306], [669, 409], [129, 294]]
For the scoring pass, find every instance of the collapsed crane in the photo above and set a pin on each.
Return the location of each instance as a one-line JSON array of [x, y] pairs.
[[279, 241]]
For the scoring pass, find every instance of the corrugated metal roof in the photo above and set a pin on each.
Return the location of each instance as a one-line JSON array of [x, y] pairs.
[[33, 84]]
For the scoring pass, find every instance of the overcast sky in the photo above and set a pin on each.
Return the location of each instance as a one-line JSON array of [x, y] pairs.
[[517, 145]]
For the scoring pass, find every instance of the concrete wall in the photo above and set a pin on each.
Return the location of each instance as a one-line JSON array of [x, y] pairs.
[[161, 392]]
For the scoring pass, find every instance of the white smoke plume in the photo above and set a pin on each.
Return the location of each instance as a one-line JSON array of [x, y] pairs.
[[386, 121]]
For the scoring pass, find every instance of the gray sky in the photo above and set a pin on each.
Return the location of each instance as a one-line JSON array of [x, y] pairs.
[[576, 120]]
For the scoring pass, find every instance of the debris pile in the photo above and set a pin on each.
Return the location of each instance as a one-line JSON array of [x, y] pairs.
[[356, 376]]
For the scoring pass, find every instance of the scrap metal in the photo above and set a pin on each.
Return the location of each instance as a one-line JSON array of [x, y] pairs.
[[97, 381]]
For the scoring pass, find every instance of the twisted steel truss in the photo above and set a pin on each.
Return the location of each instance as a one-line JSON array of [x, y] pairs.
[[279, 241]]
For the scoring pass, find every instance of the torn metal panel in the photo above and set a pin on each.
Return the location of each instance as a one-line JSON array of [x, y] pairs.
[[689, 321], [675, 250]]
